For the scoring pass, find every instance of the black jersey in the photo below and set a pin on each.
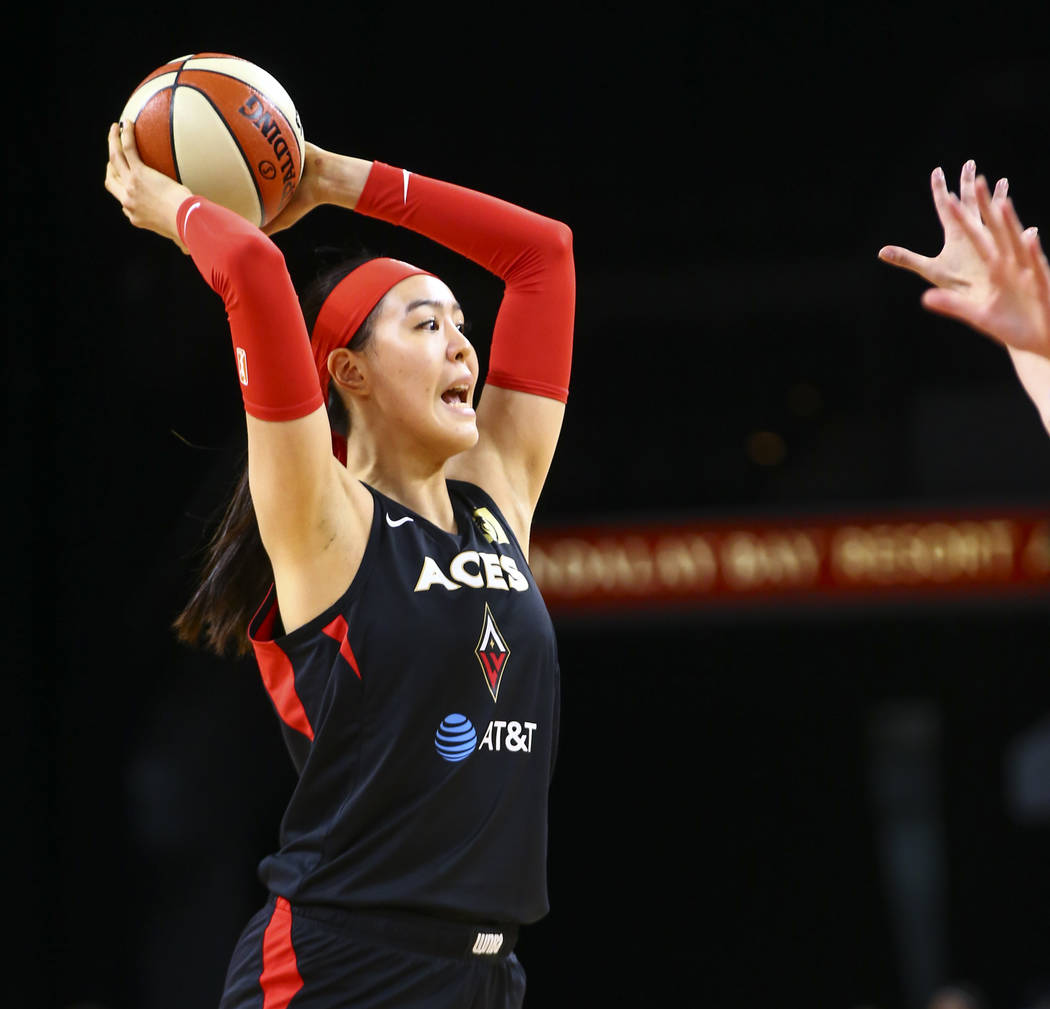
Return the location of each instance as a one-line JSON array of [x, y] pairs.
[[421, 711]]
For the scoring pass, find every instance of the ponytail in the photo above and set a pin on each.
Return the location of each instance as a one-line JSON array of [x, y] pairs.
[[235, 577]]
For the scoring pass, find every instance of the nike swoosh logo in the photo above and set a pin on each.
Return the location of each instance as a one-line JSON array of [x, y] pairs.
[[394, 523], [186, 219], [404, 199]]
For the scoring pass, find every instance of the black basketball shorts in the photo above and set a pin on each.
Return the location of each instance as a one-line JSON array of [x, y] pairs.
[[293, 957]]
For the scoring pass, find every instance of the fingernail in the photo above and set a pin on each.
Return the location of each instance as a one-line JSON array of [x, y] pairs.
[[938, 172], [971, 166]]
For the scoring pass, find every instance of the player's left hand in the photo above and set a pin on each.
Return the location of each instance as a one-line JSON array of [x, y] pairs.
[[307, 194]]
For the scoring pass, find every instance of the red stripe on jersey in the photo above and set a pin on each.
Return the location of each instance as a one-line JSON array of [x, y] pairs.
[[280, 978], [338, 630], [278, 675]]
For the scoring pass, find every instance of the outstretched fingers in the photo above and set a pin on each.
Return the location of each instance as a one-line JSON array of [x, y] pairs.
[[953, 305], [941, 196], [995, 219], [967, 191], [895, 255], [1014, 232], [968, 187], [1036, 260], [925, 266], [983, 246]]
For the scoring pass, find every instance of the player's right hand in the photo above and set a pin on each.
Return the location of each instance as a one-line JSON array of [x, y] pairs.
[[149, 199]]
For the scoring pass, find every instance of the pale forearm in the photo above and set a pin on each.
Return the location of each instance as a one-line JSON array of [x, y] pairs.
[[1034, 372], [339, 179]]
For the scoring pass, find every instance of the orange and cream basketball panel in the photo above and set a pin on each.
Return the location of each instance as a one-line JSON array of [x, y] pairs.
[[223, 127]]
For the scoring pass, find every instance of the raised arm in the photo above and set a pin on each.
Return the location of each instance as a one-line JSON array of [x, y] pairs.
[[991, 275], [521, 408], [299, 495], [523, 403]]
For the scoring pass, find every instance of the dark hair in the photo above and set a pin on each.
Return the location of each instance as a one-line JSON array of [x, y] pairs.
[[236, 572]]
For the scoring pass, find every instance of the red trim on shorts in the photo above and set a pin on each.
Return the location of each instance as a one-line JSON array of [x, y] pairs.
[[280, 979], [339, 630]]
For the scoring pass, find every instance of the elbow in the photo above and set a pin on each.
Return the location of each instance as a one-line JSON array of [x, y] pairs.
[[558, 239], [544, 255], [253, 252], [253, 264], [550, 252]]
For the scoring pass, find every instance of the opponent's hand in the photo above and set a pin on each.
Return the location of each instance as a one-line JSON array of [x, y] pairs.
[[148, 198], [1013, 304], [307, 194], [989, 274], [957, 267]]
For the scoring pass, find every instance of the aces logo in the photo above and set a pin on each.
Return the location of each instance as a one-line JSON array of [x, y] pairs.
[[493, 653], [489, 527]]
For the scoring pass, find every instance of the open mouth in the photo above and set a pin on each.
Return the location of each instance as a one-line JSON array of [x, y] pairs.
[[456, 395]]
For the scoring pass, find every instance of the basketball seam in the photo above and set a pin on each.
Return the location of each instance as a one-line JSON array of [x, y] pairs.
[[171, 120], [255, 91], [237, 144]]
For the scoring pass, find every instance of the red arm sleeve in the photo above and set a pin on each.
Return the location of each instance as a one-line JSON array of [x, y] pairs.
[[532, 340], [271, 346]]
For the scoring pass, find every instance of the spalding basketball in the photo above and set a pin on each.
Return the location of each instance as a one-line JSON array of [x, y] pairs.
[[224, 128]]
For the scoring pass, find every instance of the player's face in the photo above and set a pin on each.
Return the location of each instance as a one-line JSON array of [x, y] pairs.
[[424, 368]]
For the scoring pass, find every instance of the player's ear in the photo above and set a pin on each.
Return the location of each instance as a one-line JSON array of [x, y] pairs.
[[346, 369]]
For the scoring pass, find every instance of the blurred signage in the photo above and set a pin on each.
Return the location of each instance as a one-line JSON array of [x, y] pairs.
[[660, 565]]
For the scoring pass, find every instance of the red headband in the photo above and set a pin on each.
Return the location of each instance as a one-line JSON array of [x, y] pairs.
[[348, 306]]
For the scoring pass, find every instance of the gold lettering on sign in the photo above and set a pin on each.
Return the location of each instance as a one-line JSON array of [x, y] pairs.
[[577, 567], [685, 563], [1037, 550], [935, 551], [753, 560]]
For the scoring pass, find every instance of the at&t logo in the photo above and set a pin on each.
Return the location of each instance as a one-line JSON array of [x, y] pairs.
[[456, 739]]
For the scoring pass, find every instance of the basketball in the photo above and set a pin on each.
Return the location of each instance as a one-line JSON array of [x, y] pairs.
[[224, 128]]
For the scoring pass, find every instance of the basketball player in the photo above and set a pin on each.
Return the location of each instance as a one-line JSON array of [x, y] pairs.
[[991, 274], [409, 657]]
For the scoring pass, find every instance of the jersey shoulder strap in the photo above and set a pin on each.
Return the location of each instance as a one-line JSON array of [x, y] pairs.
[[485, 513]]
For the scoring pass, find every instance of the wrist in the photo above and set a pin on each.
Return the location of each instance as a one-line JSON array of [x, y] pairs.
[[339, 179]]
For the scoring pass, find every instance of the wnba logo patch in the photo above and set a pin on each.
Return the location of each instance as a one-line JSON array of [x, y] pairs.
[[493, 653], [242, 364]]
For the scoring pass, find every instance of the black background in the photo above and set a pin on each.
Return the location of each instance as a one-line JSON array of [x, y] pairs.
[[729, 174]]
